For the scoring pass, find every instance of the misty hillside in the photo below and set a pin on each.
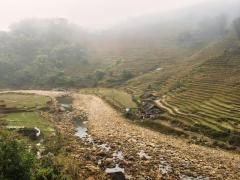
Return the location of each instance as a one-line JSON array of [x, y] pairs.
[[53, 53], [147, 43], [46, 53]]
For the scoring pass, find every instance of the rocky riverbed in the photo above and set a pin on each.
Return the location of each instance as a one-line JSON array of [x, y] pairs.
[[150, 155]]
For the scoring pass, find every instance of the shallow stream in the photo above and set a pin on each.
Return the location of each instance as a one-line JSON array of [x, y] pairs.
[[65, 103]]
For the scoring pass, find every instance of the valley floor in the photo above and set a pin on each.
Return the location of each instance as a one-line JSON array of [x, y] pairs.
[[175, 157], [146, 154]]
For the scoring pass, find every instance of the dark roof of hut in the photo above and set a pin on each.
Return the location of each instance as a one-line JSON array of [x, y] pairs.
[[148, 96]]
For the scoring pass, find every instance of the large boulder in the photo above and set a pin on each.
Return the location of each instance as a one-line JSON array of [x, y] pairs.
[[117, 176], [32, 133]]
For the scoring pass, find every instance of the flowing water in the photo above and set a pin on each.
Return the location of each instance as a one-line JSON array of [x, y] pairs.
[[65, 103], [81, 127]]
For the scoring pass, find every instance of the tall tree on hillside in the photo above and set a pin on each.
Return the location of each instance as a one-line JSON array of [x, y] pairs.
[[237, 26], [221, 24]]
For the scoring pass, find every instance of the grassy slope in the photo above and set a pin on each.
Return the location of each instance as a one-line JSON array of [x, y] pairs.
[[117, 98]]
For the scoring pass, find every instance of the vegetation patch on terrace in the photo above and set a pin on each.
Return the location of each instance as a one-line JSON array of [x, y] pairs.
[[29, 120]]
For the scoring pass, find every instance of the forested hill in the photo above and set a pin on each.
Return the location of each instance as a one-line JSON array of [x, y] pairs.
[[48, 53]]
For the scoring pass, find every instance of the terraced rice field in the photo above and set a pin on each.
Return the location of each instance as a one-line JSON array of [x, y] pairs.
[[29, 120], [14, 100], [209, 100], [25, 102]]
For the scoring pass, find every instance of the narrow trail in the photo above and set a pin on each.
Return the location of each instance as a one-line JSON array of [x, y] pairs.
[[148, 154], [160, 104], [173, 110]]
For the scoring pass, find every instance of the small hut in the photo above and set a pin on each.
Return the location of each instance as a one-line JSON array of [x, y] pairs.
[[148, 107], [147, 96]]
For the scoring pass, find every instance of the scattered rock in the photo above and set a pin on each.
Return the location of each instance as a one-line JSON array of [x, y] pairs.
[[92, 168]]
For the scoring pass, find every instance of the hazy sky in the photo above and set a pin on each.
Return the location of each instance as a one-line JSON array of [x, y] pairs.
[[87, 13]]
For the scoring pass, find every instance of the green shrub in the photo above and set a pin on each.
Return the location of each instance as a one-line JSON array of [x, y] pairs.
[[47, 169], [126, 75], [18, 163]]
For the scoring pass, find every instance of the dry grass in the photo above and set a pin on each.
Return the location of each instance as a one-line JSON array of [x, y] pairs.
[[115, 97]]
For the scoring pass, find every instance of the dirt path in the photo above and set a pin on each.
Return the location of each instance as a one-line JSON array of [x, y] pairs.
[[146, 154], [162, 103]]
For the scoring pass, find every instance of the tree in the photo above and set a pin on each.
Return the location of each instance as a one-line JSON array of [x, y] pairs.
[[237, 27], [126, 75], [18, 163], [221, 23], [98, 76]]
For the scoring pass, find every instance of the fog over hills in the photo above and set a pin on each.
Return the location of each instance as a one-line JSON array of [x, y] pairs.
[[103, 89], [155, 39], [91, 14]]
